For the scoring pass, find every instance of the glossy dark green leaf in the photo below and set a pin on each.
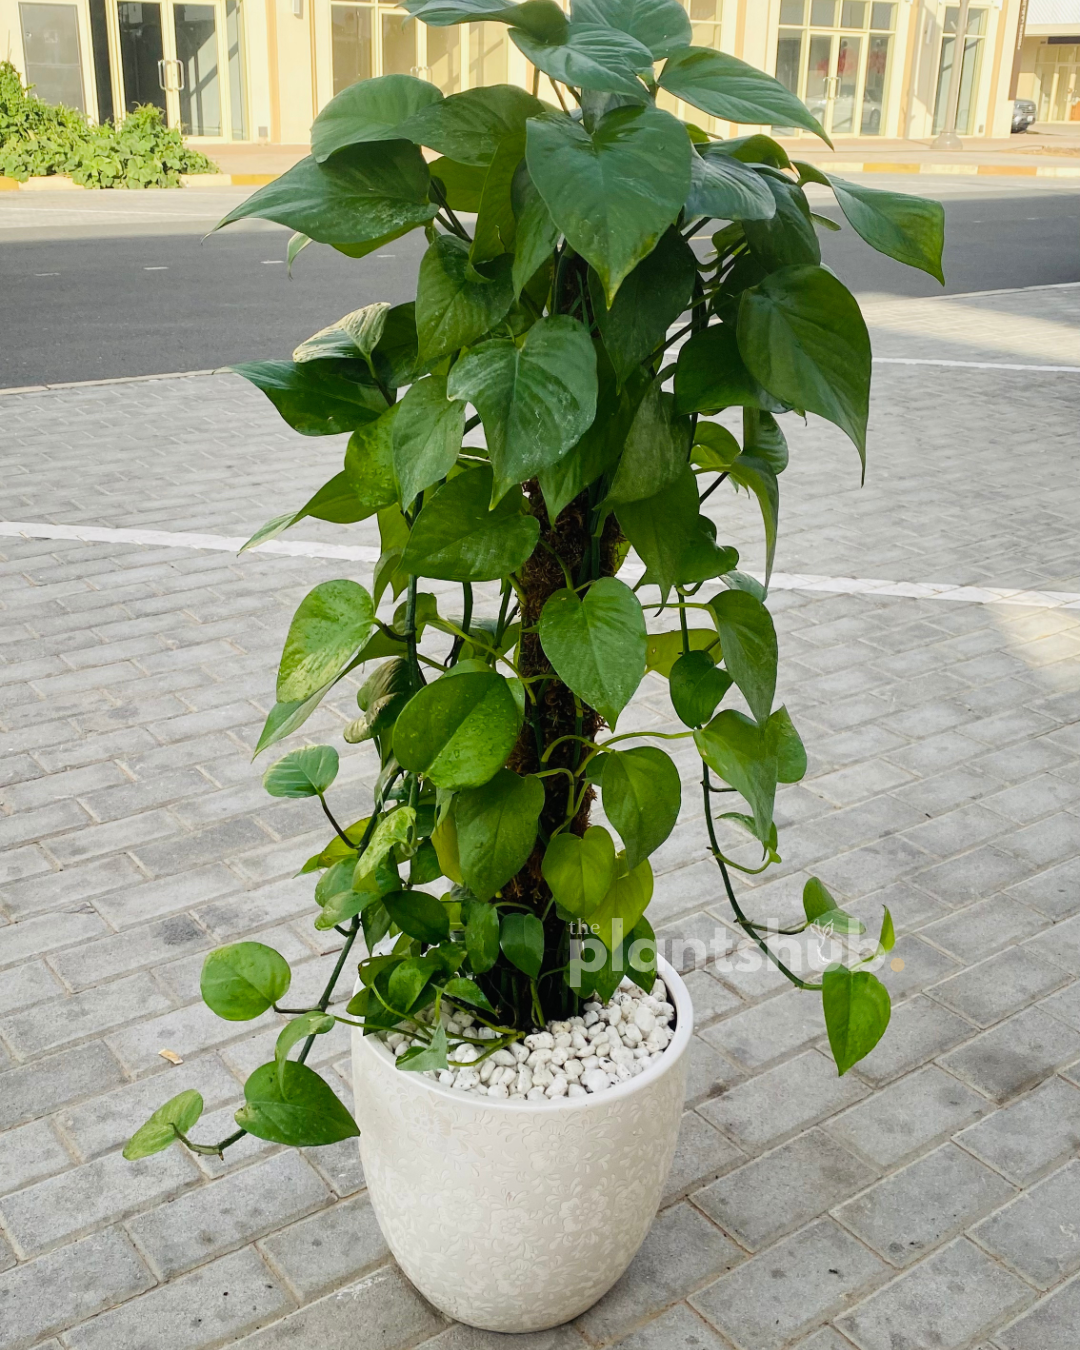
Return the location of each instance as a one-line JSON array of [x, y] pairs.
[[481, 934], [304, 1112], [711, 375], [496, 829], [522, 939], [241, 981], [496, 223], [286, 717], [621, 909], [748, 641], [614, 193], [452, 308], [763, 439], [660, 25], [299, 1029], [427, 1058], [457, 537], [459, 730], [580, 869], [730, 89], [418, 914], [354, 336], [599, 972], [787, 236], [362, 194], [179, 1113], [657, 448], [642, 795], [714, 447], [596, 645], [370, 110], [664, 649], [737, 749], [427, 435], [336, 501], [887, 940], [755, 149], [786, 744], [536, 400], [604, 59], [857, 1011], [408, 979], [317, 398], [817, 899], [649, 301], [442, 13], [802, 335], [331, 623], [676, 544], [697, 686], [303, 773], [902, 226], [395, 828], [461, 184], [469, 127], [723, 188], [464, 990], [535, 236]]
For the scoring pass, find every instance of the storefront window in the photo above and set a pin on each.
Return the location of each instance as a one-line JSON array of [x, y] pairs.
[[398, 43], [487, 54], [51, 48], [351, 43], [444, 58], [234, 35], [1057, 81], [834, 54], [969, 75]]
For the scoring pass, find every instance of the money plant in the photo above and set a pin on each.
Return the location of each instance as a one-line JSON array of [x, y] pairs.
[[601, 280]]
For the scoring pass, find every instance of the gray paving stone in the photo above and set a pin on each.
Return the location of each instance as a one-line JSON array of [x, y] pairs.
[[1050, 1325], [1030, 1136], [33, 1090], [913, 965], [701, 1154], [185, 1031], [146, 946], [1048, 841], [91, 1196], [947, 1301], [24, 985], [382, 1311], [28, 1154], [1037, 1235], [784, 1189], [710, 998], [95, 840], [339, 1164], [1055, 892], [981, 929], [65, 889], [790, 1288], [680, 1328], [227, 1213], [1061, 944], [916, 1209], [770, 1031], [35, 937], [782, 1101], [972, 876], [919, 1030], [460, 1337], [208, 1307], [708, 1072], [76, 1016], [908, 1117], [682, 1252], [155, 899], [75, 1282], [328, 1248], [107, 1121], [1000, 986], [1015, 1055]]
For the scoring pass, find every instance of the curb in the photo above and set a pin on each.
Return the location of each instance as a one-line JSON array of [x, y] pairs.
[[59, 183]]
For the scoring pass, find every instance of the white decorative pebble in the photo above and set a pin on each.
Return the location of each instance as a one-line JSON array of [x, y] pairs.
[[576, 1090], [535, 1094], [497, 1090], [596, 1080], [502, 1057], [644, 1020], [558, 1087]]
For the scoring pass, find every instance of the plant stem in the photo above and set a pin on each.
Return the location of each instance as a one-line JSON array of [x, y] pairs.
[[334, 825]]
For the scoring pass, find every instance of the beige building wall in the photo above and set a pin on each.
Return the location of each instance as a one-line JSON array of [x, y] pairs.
[[867, 69]]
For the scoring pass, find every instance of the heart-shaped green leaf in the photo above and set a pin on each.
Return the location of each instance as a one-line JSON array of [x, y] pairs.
[[656, 449], [580, 870], [459, 730], [597, 645], [317, 398], [737, 748], [427, 435], [642, 795], [590, 57], [467, 991], [748, 642], [179, 1113], [522, 939], [697, 686], [303, 1112], [244, 979], [299, 1029], [496, 829], [481, 934], [728, 88], [457, 537], [661, 25], [304, 773], [418, 914], [857, 1011], [370, 110], [724, 188], [625, 903], [456, 304], [332, 622]]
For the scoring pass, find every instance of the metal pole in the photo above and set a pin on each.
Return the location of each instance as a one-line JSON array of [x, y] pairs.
[[948, 139]]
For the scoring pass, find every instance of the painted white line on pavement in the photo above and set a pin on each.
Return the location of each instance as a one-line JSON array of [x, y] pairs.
[[972, 365], [631, 571]]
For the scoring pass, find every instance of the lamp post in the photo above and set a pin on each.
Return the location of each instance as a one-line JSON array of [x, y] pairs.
[[948, 139]]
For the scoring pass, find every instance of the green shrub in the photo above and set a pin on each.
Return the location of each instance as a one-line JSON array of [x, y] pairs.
[[38, 139]]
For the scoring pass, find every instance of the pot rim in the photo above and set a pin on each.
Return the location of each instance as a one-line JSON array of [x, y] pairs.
[[420, 1083]]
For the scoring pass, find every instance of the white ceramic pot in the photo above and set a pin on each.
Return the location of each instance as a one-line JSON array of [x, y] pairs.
[[516, 1215]]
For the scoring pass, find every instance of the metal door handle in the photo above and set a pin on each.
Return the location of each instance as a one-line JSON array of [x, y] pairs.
[[833, 88], [161, 75], [179, 73]]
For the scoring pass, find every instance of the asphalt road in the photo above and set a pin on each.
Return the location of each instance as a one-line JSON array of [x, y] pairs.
[[116, 287]]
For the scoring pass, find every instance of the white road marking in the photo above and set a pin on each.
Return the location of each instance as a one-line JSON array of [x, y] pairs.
[[631, 571], [971, 365]]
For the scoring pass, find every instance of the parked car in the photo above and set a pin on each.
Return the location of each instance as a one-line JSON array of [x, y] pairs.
[[1023, 114]]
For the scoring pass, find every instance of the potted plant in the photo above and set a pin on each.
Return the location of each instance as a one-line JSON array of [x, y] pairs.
[[519, 1070]]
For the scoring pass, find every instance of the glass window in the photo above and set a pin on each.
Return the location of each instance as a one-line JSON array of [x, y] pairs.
[[234, 34], [444, 58], [487, 53], [704, 10], [789, 59], [398, 44], [705, 34], [195, 30], [51, 47], [853, 14], [141, 53], [99, 38], [793, 11], [350, 29], [873, 103], [976, 20], [823, 13], [882, 16]]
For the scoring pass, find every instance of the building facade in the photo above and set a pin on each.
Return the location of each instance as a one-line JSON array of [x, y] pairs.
[[1050, 60], [259, 70]]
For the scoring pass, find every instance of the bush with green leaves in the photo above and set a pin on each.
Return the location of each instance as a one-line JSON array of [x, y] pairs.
[[40, 139], [596, 348]]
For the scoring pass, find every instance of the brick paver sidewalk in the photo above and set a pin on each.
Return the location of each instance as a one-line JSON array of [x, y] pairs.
[[931, 1198]]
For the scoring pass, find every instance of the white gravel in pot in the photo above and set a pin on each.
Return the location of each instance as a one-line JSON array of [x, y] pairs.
[[605, 1046]]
